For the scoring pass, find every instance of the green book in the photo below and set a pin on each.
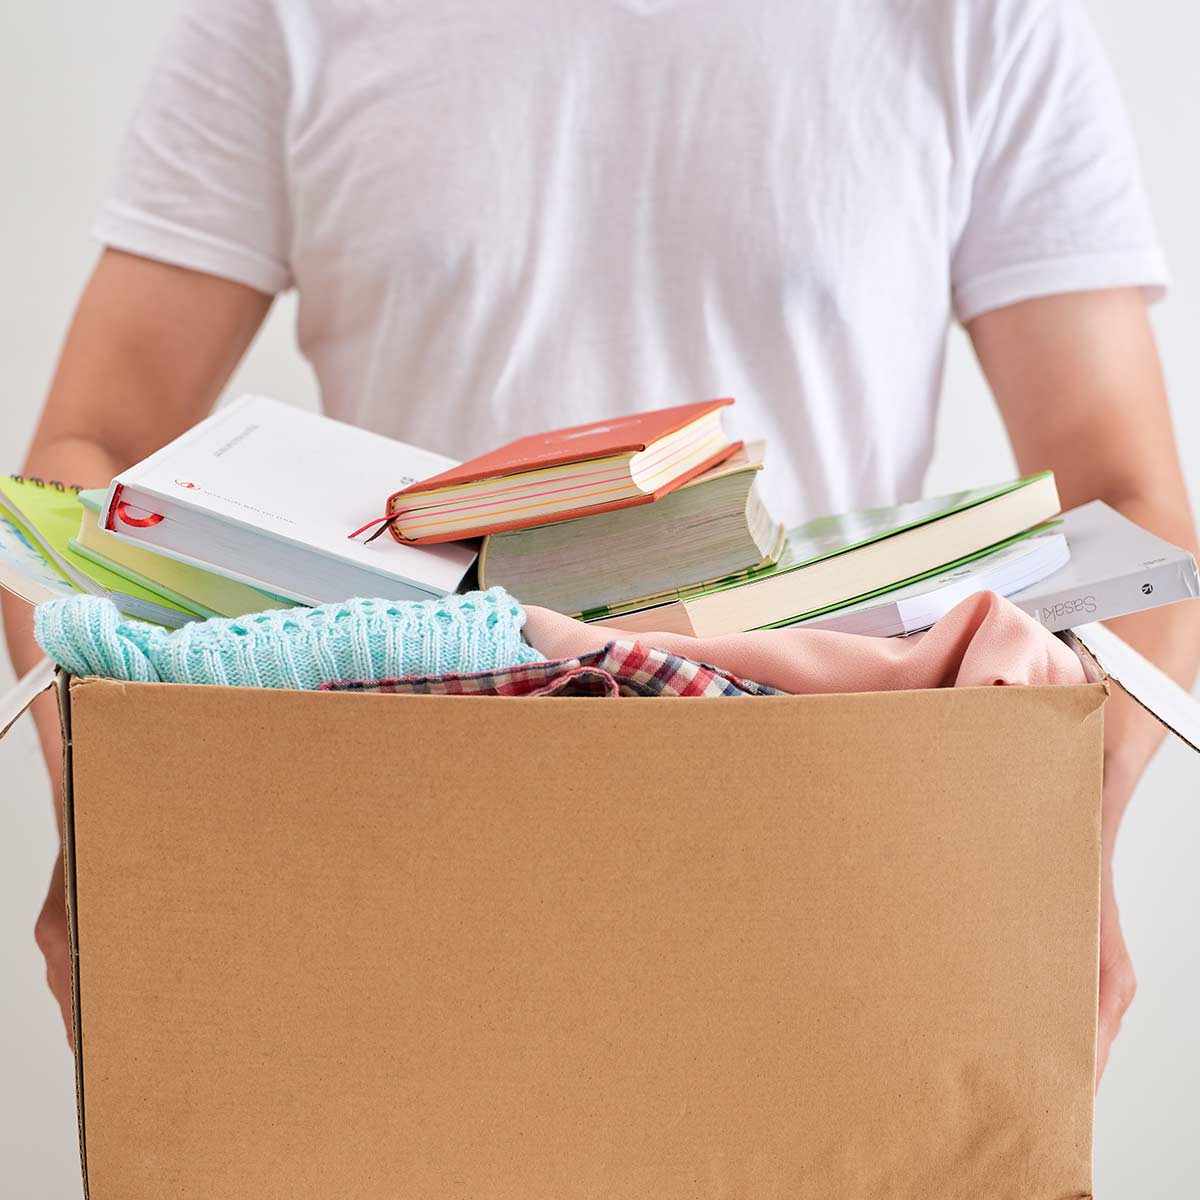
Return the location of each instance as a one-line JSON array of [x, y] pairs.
[[204, 592], [25, 571], [834, 561], [49, 514]]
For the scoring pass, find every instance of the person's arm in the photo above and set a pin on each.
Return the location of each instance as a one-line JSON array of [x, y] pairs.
[[148, 351], [1078, 382]]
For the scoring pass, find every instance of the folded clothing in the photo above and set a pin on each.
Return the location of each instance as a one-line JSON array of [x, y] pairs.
[[290, 648], [984, 640], [618, 669]]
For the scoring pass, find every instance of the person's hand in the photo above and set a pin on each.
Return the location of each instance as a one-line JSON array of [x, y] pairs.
[[51, 934]]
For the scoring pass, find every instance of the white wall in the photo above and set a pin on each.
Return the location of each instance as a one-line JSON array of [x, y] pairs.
[[68, 76]]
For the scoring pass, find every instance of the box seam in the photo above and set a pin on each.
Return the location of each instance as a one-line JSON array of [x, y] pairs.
[[63, 684]]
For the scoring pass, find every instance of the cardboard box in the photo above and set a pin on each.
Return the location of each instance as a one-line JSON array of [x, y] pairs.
[[352, 945]]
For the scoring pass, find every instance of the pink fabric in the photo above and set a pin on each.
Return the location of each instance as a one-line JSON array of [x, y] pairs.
[[983, 641]]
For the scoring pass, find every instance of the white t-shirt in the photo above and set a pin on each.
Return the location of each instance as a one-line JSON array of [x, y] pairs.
[[511, 215]]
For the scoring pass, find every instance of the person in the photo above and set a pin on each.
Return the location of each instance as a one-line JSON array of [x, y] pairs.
[[510, 216]]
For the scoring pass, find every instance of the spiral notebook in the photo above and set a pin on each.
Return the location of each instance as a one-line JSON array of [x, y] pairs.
[[38, 519]]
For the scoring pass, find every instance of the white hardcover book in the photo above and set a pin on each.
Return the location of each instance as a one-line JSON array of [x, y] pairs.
[[919, 605], [1116, 568], [268, 494]]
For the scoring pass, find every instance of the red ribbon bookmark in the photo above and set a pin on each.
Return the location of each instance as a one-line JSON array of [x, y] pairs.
[[382, 522]]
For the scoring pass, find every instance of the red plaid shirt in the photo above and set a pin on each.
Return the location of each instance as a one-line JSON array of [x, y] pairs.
[[619, 669]]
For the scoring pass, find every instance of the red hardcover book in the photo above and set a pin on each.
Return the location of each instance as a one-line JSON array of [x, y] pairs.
[[564, 474]]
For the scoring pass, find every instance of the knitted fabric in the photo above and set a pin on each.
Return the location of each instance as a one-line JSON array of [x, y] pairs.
[[290, 648]]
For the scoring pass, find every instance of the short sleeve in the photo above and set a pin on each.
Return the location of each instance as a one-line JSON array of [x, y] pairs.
[[1056, 197], [201, 179]]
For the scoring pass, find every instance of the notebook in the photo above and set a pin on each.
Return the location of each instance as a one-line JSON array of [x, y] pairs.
[[25, 571], [266, 494], [564, 474], [37, 562]]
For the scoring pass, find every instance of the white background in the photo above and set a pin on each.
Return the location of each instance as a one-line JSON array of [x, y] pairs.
[[69, 74]]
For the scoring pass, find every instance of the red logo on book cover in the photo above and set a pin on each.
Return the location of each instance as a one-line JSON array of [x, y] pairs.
[[139, 518], [191, 487]]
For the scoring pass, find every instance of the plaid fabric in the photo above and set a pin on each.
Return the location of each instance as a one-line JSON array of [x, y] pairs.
[[619, 669]]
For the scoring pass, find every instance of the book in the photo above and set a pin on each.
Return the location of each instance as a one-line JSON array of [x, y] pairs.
[[833, 560], [25, 571], [564, 474], [709, 528], [209, 594], [1025, 561], [41, 519], [266, 494], [1116, 568]]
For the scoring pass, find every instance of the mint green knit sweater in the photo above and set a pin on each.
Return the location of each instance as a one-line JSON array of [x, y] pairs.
[[290, 648]]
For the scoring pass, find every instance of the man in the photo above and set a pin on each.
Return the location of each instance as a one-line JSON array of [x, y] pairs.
[[502, 217]]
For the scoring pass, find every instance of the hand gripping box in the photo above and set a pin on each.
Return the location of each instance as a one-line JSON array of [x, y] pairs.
[[375, 946]]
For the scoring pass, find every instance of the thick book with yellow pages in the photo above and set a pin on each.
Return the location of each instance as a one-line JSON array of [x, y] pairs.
[[711, 527]]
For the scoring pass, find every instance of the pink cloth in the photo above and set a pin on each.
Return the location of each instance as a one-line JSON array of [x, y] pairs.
[[983, 641]]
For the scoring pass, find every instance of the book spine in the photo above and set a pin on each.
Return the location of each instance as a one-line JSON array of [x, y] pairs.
[[1151, 586]]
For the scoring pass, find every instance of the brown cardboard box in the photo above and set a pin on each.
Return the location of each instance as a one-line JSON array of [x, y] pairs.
[[348, 945]]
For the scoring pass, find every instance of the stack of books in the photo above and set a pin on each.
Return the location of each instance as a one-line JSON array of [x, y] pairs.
[[647, 522], [248, 510]]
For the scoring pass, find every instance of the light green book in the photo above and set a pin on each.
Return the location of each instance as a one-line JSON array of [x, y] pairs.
[[833, 561], [49, 514], [25, 571], [204, 592]]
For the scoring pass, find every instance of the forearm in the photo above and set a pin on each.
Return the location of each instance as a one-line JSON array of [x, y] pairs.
[[71, 459], [1078, 380], [148, 351], [1168, 636]]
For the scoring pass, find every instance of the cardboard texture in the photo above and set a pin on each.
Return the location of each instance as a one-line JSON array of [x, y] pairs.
[[354, 945]]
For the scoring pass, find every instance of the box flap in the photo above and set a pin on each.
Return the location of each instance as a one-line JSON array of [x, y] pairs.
[[23, 693], [1139, 678]]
